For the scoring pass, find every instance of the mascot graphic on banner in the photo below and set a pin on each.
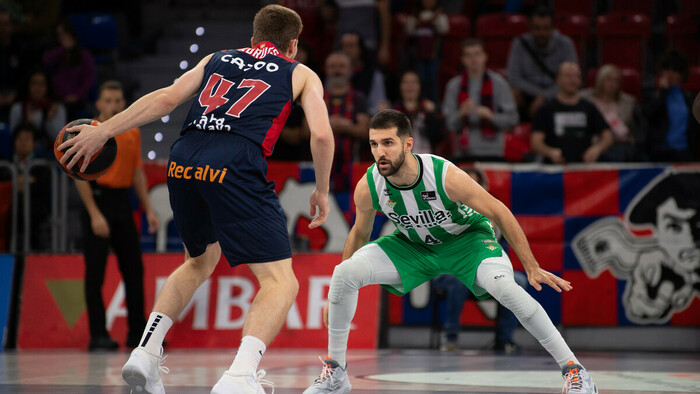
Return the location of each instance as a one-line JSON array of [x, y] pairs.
[[656, 248]]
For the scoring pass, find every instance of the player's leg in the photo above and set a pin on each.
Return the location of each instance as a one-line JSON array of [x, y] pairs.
[[369, 265], [495, 275], [507, 322], [267, 314]]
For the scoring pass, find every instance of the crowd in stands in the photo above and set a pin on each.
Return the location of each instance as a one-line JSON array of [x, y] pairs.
[[495, 80], [516, 89]]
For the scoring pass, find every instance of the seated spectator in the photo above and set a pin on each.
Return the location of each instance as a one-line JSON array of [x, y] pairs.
[[673, 134], [24, 143], [12, 63], [348, 117], [534, 60], [425, 29], [72, 71], [426, 122], [568, 129], [365, 76], [617, 107], [478, 107], [38, 108], [456, 294]]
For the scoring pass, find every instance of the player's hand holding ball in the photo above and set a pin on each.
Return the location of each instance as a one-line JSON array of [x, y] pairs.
[[83, 153]]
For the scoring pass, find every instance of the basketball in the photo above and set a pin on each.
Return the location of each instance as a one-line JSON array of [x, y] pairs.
[[100, 162]]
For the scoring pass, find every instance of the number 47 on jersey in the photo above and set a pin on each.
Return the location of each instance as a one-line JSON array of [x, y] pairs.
[[212, 98]]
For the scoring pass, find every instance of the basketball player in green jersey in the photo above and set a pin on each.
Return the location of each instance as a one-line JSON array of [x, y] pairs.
[[443, 225]]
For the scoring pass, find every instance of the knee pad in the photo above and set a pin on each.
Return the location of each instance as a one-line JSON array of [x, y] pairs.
[[515, 298], [349, 275]]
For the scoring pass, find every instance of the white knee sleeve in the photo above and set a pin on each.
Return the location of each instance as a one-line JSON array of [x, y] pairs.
[[348, 276], [502, 286]]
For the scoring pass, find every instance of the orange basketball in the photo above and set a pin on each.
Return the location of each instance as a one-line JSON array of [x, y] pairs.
[[100, 162]]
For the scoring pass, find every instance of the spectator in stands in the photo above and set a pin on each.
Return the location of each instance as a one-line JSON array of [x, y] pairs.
[[426, 122], [365, 76], [24, 137], [618, 109], [673, 134], [72, 71], [568, 129], [37, 107], [534, 60], [12, 64], [347, 110], [425, 28], [456, 294], [371, 19], [479, 107]]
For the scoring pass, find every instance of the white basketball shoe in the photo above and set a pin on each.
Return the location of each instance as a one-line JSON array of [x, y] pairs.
[[142, 372], [577, 380], [333, 379], [242, 384]]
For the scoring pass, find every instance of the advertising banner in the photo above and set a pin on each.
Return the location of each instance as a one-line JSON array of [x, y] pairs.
[[53, 312]]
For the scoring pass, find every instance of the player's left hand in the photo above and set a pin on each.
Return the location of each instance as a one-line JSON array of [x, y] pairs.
[[83, 145], [318, 199], [537, 276]]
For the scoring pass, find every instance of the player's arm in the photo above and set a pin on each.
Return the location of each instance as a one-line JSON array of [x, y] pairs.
[[364, 220], [148, 108], [307, 86], [141, 190], [461, 187]]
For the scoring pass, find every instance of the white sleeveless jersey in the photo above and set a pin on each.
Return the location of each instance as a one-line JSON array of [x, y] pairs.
[[422, 211]]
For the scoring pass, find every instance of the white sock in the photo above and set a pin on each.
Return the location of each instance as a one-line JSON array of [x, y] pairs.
[[542, 328], [248, 357], [154, 333]]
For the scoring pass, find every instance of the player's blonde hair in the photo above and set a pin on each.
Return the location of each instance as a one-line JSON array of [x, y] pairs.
[[277, 24]]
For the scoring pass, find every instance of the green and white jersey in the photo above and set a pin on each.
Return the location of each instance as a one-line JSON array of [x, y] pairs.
[[422, 211]]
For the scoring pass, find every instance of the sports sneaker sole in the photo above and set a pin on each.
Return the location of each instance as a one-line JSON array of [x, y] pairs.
[[135, 380]]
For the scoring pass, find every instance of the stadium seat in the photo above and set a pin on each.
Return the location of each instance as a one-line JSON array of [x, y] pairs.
[[690, 7], [682, 33], [498, 31], [567, 7], [645, 7], [622, 38], [98, 33], [631, 81], [450, 65], [693, 82], [578, 27]]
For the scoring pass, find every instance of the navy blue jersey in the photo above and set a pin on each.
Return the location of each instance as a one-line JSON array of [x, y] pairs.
[[246, 92]]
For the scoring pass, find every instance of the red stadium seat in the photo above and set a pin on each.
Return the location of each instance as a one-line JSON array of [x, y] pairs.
[[565, 7], [578, 27], [645, 7], [682, 34], [622, 38], [693, 82], [631, 81], [460, 30], [498, 31], [690, 7]]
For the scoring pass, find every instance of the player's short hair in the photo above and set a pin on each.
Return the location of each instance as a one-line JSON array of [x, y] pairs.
[[276, 24], [389, 118], [109, 85]]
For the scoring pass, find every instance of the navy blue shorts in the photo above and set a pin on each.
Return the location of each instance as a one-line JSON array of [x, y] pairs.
[[219, 192]]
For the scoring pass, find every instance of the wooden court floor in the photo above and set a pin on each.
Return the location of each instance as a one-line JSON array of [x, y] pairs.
[[380, 371]]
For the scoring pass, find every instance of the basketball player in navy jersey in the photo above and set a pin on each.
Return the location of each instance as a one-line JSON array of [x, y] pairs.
[[219, 193]]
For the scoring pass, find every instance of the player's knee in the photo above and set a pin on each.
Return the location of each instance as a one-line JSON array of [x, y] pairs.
[[517, 300], [348, 276]]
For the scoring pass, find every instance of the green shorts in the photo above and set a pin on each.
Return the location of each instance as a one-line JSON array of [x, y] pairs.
[[460, 257]]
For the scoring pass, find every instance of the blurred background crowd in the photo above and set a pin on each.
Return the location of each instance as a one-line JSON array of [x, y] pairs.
[[548, 81]]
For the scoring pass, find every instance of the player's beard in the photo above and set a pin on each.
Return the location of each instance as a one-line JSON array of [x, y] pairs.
[[393, 166]]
